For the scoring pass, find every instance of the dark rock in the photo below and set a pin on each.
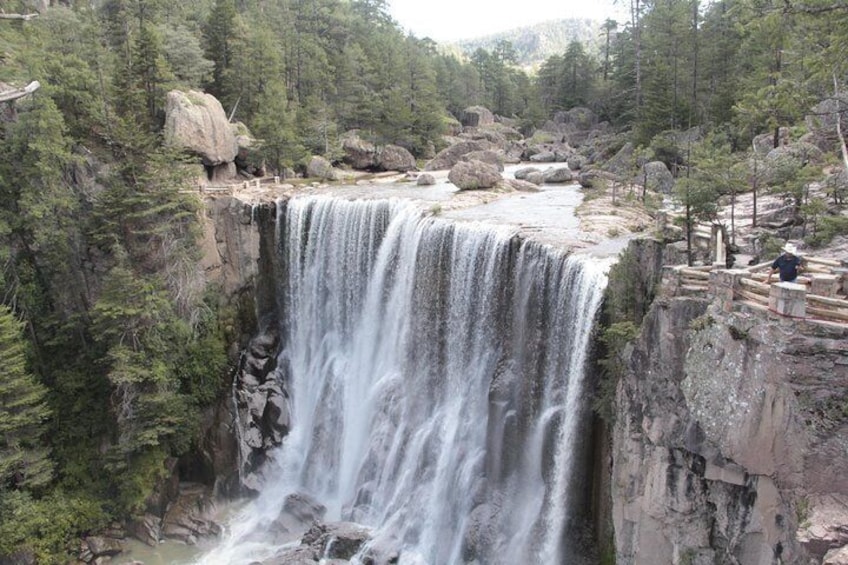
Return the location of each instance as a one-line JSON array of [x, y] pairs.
[[147, 529], [103, 546], [337, 540], [192, 516], [471, 175]]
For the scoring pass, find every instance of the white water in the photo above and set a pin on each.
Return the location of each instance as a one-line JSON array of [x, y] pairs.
[[436, 374]]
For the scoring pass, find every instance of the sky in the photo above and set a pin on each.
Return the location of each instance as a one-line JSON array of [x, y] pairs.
[[450, 20]]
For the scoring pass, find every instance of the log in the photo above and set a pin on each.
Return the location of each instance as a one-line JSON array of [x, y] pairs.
[[831, 314], [823, 261], [826, 300], [690, 272], [755, 286], [759, 266], [24, 17], [752, 296], [10, 95]]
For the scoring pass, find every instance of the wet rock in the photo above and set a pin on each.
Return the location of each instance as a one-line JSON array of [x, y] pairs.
[[471, 175], [299, 512], [520, 185], [192, 516], [147, 529], [337, 540], [100, 546]]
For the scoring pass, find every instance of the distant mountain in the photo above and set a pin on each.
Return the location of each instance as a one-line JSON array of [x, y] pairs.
[[534, 44]]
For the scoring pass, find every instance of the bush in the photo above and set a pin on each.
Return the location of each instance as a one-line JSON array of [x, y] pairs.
[[47, 528], [828, 227]]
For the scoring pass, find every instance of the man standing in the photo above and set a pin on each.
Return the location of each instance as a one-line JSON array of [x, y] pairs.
[[789, 264]]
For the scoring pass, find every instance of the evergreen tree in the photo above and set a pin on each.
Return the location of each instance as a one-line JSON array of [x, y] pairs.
[[24, 458]]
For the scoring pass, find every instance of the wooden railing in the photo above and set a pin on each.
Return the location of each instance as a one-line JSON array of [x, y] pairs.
[[818, 296]]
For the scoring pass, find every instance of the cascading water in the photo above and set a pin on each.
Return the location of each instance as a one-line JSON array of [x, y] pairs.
[[436, 381]]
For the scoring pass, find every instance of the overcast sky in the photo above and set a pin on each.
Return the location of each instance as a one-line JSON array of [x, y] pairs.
[[449, 20]]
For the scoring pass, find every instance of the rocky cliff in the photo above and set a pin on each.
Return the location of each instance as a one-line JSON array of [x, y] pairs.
[[731, 440]]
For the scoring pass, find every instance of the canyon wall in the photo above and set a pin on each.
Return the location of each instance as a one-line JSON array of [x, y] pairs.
[[730, 441]]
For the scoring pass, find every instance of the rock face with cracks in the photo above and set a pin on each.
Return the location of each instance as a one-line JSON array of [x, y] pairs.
[[730, 440]]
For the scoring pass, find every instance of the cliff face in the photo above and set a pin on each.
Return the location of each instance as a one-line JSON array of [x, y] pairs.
[[731, 440]]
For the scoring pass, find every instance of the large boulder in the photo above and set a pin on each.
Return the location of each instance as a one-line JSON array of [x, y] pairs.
[[450, 156], [622, 163], [476, 116], [192, 516], [359, 154], [558, 175], [320, 168], [487, 156], [338, 540], [764, 142], [195, 121], [471, 175], [657, 177], [396, 158]]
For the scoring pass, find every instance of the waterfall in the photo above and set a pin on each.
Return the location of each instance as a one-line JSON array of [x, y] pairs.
[[436, 380]]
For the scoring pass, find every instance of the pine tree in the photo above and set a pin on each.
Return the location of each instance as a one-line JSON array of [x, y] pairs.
[[24, 458]]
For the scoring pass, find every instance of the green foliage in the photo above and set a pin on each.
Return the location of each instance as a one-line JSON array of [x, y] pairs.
[[46, 528], [826, 228], [24, 461], [614, 339]]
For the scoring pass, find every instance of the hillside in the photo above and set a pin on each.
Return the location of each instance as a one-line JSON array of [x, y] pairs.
[[534, 44]]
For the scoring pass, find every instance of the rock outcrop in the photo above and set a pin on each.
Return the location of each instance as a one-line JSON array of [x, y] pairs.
[[728, 439], [657, 177], [450, 156], [471, 175], [196, 121]]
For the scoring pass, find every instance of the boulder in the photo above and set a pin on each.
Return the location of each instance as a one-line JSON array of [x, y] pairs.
[[825, 530], [425, 179], [622, 163], [522, 173], [321, 168], [475, 116], [836, 556], [544, 157], [396, 158], [485, 156], [764, 142], [338, 540], [299, 512], [192, 516], [471, 175], [576, 162], [535, 178], [520, 185], [450, 156], [195, 121], [147, 529], [359, 154], [657, 177], [558, 175], [101, 546]]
